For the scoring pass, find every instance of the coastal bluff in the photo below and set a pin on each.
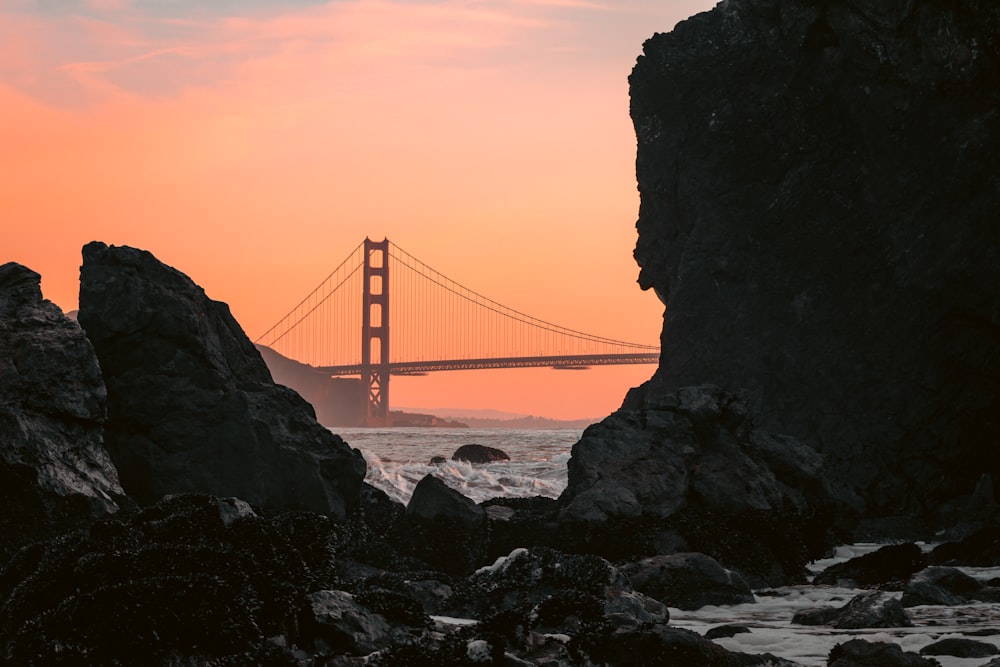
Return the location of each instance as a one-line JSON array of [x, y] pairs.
[[191, 405], [820, 189], [54, 470]]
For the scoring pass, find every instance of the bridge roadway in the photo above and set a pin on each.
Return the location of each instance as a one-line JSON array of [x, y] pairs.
[[569, 362]]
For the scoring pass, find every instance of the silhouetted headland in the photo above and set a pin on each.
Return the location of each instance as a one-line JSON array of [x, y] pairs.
[[819, 196]]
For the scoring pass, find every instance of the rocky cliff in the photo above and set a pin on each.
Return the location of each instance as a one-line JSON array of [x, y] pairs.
[[191, 404], [690, 472], [54, 471], [820, 191]]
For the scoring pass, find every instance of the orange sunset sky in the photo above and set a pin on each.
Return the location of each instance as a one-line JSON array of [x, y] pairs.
[[253, 143]]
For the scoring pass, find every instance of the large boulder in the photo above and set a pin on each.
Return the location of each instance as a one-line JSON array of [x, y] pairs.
[[54, 469], [191, 404], [819, 186], [888, 566], [443, 528], [339, 623], [864, 653], [960, 647], [980, 549], [479, 454], [871, 609], [949, 586], [694, 462], [688, 581]]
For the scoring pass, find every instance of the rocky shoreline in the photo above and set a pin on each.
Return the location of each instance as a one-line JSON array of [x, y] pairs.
[[679, 502], [829, 373]]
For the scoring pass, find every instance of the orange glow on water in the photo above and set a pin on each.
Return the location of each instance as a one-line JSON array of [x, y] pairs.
[[253, 151]]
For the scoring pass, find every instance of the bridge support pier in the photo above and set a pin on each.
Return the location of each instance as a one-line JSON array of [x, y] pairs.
[[375, 333]]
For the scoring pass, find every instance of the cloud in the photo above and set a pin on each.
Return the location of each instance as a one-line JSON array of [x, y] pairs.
[[79, 52], [101, 48]]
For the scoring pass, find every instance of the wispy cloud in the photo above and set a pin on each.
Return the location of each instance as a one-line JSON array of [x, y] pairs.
[[164, 48]]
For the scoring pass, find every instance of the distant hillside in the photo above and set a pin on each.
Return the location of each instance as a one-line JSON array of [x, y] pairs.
[[489, 418], [337, 401], [528, 422]]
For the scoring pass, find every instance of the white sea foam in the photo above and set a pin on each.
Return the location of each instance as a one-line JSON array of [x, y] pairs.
[[399, 458], [502, 562], [772, 631]]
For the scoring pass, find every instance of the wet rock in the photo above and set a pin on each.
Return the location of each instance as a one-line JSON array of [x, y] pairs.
[[863, 653], [433, 499], [180, 582], [804, 247], [888, 566], [479, 454], [541, 578], [946, 586], [872, 609], [339, 624], [662, 645], [54, 470], [692, 464], [443, 528], [520, 522], [980, 549], [722, 631], [528, 604], [688, 581], [191, 404], [960, 647]]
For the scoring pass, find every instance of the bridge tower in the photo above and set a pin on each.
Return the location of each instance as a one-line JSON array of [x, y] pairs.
[[375, 333]]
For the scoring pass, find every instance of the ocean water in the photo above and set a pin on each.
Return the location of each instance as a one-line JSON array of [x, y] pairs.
[[771, 629], [398, 458]]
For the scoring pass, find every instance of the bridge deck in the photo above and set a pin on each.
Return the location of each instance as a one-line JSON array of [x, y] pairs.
[[564, 362]]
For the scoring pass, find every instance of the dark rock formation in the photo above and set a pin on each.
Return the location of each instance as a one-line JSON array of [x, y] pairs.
[[694, 462], [728, 630], [54, 470], [888, 566], [946, 586], [960, 647], [538, 577], [819, 185], [191, 404], [520, 522], [190, 580], [433, 499], [663, 645], [442, 527], [872, 609], [340, 624], [479, 454], [505, 640], [981, 549], [863, 653], [688, 581]]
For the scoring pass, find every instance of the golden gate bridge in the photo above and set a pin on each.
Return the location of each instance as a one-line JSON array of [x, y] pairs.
[[343, 328]]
